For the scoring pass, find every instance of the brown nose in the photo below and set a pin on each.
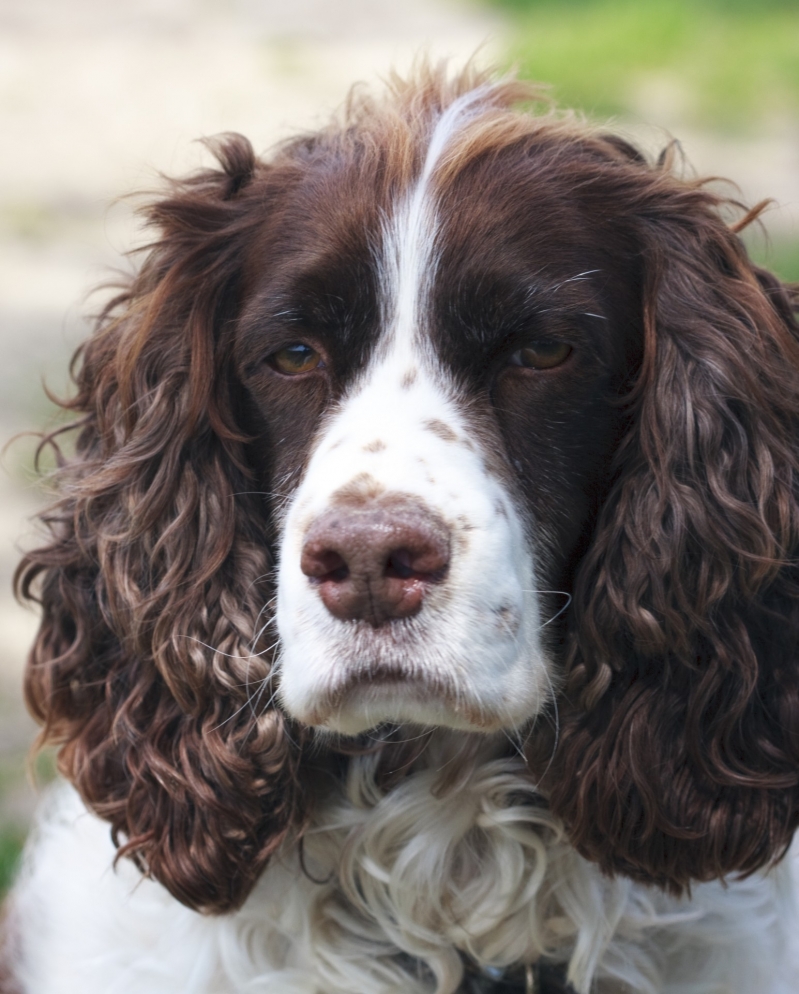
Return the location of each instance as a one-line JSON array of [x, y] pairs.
[[375, 563]]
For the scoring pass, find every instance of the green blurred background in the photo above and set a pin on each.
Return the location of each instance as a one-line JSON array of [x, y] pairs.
[[727, 69], [730, 64], [95, 97]]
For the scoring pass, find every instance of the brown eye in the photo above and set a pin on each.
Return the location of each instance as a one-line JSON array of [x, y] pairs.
[[294, 359], [541, 355]]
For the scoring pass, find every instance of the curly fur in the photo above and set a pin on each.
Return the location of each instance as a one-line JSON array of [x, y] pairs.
[[150, 564], [156, 667], [391, 885], [678, 756]]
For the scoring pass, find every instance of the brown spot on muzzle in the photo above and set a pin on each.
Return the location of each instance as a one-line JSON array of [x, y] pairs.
[[378, 445], [408, 378], [375, 561], [362, 489]]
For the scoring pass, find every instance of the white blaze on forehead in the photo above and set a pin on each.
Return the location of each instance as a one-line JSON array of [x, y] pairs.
[[401, 430], [409, 239]]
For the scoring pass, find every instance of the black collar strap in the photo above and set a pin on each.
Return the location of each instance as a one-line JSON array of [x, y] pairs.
[[536, 978]]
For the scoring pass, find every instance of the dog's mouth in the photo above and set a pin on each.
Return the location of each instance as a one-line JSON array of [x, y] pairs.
[[404, 673], [366, 696]]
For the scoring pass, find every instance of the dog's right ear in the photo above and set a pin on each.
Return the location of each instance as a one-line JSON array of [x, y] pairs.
[[152, 666]]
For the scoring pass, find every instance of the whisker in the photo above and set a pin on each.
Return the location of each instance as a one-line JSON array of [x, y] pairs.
[[514, 745], [257, 700], [227, 655], [230, 717], [557, 614], [261, 493], [556, 725], [577, 278]]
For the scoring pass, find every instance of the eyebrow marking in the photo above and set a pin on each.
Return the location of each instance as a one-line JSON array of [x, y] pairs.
[[440, 428], [578, 278]]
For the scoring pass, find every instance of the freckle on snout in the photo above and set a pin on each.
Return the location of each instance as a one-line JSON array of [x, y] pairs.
[[361, 489], [460, 543], [378, 445], [508, 620], [408, 379]]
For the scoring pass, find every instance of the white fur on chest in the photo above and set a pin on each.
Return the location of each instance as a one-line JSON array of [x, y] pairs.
[[475, 871]]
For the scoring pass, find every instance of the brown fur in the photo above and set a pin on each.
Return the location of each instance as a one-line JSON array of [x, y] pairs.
[[157, 554], [678, 757]]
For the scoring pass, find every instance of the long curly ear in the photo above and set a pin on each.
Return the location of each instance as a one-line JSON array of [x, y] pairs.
[[679, 751], [154, 584]]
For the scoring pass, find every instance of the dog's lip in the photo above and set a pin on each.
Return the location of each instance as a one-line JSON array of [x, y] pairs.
[[362, 678], [416, 684]]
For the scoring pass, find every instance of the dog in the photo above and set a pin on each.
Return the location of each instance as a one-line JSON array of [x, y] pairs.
[[419, 605]]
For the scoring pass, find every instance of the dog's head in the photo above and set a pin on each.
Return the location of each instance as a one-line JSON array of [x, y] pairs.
[[446, 415]]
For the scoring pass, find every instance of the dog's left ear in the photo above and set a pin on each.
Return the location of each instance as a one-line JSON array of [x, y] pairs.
[[678, 757]]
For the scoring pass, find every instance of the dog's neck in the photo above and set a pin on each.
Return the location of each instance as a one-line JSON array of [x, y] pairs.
[[453, 866]]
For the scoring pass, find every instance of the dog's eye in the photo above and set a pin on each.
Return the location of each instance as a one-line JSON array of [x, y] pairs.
[[543, 354], [294, 359]]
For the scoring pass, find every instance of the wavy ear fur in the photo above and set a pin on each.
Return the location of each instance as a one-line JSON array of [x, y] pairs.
[[679, 752], [155, 575]]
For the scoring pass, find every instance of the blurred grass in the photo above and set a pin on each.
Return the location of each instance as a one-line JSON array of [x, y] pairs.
[[726, 64], [782, 257], [11, 841], [13, 830]]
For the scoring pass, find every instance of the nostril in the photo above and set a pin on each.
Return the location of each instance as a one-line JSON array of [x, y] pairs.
[[428, 564], [322, 565], [399, 564]]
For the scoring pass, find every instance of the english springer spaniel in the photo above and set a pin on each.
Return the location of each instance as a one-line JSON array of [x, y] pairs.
[[421, 601]]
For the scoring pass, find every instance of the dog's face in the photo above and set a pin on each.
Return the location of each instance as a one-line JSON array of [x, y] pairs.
[[511, 419], [440, 365]]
